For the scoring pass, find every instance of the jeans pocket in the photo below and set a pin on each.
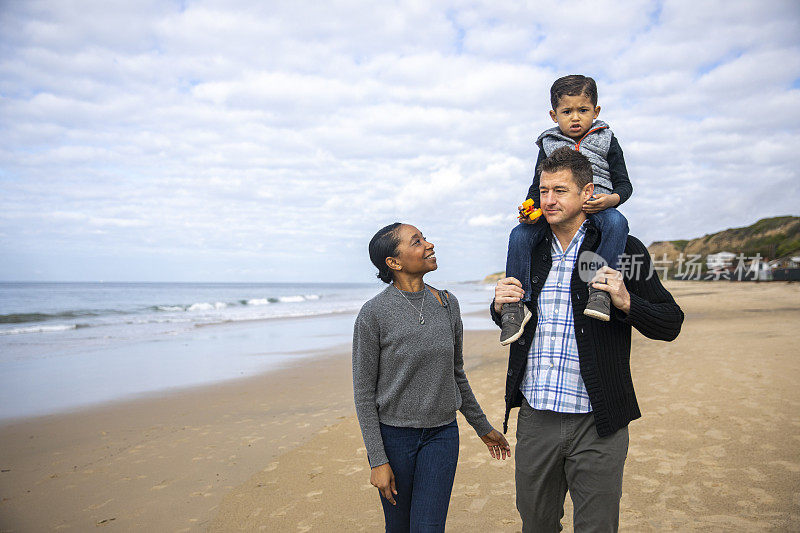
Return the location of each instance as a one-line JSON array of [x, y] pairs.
[[529, 422], [526, 412]]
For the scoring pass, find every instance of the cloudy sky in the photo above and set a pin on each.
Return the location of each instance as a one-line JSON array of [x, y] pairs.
[[268, 141]]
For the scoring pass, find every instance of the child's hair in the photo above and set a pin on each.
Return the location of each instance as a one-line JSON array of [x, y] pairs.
[[567, 158], [573, 85], [382, 245]]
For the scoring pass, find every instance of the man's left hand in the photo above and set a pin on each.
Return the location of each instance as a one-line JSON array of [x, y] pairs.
[[609, 280]]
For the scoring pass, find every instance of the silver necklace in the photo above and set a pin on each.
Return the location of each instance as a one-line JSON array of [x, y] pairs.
[[421, 307]]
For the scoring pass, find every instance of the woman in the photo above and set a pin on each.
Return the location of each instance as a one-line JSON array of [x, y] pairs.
[[409, 381]]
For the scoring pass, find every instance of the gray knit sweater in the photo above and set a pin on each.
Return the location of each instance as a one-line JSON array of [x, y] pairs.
[[409, 374]]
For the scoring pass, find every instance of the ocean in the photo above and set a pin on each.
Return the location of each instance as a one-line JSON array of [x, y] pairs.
[[70, 345]]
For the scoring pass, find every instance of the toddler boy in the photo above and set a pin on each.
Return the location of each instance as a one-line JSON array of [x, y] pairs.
[[575, 110]]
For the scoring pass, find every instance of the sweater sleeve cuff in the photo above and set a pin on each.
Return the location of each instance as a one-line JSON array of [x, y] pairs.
[[482, 426], [377, 459], [634, 315], [622, 196], [494, 314]]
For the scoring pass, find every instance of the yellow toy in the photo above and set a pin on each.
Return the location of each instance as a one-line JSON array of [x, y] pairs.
[[528, 211]]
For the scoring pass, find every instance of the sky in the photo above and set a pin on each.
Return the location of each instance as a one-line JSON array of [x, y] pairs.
[[268, 141]]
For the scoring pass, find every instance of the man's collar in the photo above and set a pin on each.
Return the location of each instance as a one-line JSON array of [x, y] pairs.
[[579, 235], [587, 226]]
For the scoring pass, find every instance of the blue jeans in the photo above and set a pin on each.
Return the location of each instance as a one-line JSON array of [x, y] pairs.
[[613, 228], [424, 464]]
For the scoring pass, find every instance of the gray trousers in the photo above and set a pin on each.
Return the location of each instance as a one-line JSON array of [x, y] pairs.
[[560, 451]]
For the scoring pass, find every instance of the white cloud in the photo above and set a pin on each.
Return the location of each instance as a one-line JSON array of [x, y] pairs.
[[253, 133], [487, 220]]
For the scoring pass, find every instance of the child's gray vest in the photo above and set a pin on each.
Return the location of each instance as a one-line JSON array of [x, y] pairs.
[[593, 145]]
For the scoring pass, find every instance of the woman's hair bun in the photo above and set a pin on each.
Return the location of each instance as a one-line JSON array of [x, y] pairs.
[[382, 245]]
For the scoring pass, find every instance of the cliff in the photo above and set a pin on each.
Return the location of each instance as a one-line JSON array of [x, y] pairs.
[[773, 238]]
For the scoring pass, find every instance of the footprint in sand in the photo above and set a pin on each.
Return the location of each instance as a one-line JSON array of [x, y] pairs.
[[791, 467], [501, 489], [649, 485], [161, 485], [350, 470], [716, 434], [96, 506], [761, 496], [668, 468], [472, 490], [281, 511], [714, 451], [754, 474], [477, 505], [305, 525]]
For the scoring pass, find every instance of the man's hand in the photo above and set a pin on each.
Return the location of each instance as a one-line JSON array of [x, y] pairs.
[[600, 201], [382, 477], [497, 444], [609, 280], [507, 290]]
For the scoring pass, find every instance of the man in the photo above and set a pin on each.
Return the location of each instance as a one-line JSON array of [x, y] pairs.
[[570, 375]]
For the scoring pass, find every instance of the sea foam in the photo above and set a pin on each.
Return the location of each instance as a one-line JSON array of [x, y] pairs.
[[39, 329], [205, 306]]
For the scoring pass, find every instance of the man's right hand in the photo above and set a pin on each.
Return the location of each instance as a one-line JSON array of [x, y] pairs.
[[507, 290], [382, 477]]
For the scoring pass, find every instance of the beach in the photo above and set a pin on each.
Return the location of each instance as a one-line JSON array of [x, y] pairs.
[[717, 448]]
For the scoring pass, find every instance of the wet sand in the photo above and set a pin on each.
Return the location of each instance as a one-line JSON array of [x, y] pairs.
[[163, 463], [717, 449]]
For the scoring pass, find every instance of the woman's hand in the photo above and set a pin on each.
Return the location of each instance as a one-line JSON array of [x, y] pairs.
[[600, 201], [507, 290], [609, 280], [497, 444], [382, 477]]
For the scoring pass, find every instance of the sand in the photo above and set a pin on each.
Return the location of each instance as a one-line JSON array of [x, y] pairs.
[[717, 449]]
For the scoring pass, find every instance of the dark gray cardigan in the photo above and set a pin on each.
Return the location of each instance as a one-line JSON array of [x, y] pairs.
[[604, 348]]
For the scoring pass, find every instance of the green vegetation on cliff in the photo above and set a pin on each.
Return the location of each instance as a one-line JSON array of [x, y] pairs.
[[773, 238]]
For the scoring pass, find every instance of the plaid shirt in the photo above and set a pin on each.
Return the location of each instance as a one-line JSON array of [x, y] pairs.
[[553, 376]]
